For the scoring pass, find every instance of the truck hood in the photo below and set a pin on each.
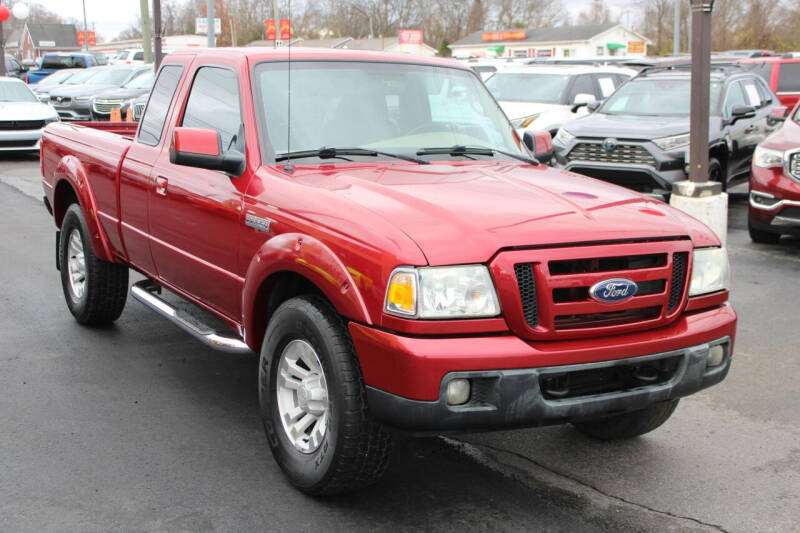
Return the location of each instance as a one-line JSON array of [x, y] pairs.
[[627, 126], [466, 212], [515, 110], [26, 111]]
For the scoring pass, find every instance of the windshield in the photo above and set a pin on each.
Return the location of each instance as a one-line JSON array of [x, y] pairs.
[[57, 78], [527, 87], [111, 76], [16, 92], [82, 76], [142, 81], [398, 108], [655, 97]]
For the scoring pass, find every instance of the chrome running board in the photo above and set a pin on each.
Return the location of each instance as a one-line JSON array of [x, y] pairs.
[[146, 292]]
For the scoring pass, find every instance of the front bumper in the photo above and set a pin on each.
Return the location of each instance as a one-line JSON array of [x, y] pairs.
[[74, 111], [406, 376], [774, 201], [15, 140]]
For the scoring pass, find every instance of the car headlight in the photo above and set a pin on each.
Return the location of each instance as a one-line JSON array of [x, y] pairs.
[[710, 271], [767, 157], [441, 292], [524, 122], [671, 143], [563, 137]]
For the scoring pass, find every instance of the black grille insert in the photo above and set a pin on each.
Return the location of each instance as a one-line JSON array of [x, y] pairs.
[[15, 125], [607, 318], [527, 293], [679, 264], [607, 264]]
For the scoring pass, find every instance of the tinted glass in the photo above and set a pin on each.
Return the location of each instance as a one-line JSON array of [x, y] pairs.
[[655, 97], [384, 106], [789, 78], [138, 56], [214, 103], [583, 84], [734, 98], [59, 62], [158, 105], [15, 92], [525, 87]]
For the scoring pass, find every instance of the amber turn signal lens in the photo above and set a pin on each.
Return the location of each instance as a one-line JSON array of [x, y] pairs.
[[401, 298]]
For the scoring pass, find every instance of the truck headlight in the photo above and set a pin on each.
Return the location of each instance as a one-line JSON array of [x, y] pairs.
[[710, 271], [563, 137], [524, 122], [441, 292], [767, 157], [671, 143]]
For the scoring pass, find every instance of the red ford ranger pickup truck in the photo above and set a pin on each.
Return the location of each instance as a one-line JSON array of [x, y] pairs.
[[374, 228], [775, 183]]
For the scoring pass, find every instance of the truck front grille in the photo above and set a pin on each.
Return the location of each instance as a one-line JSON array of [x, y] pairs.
[[637, 180], [60, 101], [552, 293], [104, 107], [630, 154], [794, 166], [16, 125], [138, 109]]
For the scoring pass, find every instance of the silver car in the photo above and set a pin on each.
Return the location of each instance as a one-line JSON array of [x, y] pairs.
[[22, 116]]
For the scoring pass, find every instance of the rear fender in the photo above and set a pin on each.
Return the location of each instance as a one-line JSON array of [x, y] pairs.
[[309, 258], [71, 170]]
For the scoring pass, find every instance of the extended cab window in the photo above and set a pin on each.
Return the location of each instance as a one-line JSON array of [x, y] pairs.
[[214, 103], [158, 105]]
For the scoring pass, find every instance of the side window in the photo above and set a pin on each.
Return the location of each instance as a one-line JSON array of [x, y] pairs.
[[608, 84], [751, 91], [158, 104], [735, 97], [138, 56], [583, 84], [214, 103], [766, 94], [789, 78]]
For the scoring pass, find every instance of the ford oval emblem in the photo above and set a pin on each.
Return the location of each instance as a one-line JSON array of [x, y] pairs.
[[612, 291], [610, 144]]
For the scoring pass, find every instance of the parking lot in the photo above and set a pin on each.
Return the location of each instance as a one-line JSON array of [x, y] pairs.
[[139, 427]]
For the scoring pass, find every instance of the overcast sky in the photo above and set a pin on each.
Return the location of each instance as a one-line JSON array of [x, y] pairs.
[[110, 17]]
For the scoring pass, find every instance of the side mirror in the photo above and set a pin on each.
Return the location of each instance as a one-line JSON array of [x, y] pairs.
[[582, 99], [593, 106], [742, 111], [202, 148], [540, 144]]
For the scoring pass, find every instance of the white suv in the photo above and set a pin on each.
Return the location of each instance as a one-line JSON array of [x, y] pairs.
[[544, 98]]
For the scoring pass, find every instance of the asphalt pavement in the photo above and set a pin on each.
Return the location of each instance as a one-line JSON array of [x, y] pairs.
[[137, 427]]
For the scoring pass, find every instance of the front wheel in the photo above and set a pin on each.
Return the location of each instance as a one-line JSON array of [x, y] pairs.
[[313, 402], [628, 425]]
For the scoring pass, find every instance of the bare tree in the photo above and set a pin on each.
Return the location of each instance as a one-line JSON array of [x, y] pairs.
[[598, 13]]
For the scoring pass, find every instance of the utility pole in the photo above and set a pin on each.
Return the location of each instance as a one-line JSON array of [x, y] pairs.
[[85, 29], [146, 45], [211, 37], [676, 29], [159, 54], [276, 16], [698, 196]]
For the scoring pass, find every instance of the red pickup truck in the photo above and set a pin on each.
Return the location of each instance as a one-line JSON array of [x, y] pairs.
[[372, 225]]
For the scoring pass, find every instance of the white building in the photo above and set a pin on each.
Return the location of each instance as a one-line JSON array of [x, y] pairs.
[[598, 40]]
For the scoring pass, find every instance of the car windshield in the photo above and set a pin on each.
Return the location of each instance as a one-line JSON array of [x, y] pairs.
[[57, 78], [655, 97], [16, 92], [82, 76], [398, 108], [142, 81], [109, 76], [527, 87]]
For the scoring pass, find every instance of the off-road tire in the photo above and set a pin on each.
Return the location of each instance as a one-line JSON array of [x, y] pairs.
[[761, 236], [355, 450], [628, 425], [106, 285]]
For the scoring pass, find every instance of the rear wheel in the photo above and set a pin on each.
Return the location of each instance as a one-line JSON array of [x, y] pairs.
[[95, 290], [313, 402], [761, 236], [628, 425]]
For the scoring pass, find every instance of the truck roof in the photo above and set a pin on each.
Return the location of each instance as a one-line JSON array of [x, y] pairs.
[[255, 54]]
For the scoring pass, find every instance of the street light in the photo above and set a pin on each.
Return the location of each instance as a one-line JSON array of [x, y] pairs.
[[20, 12]]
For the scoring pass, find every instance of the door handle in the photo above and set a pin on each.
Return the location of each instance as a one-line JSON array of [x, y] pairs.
[[750, 129], [161, 186]]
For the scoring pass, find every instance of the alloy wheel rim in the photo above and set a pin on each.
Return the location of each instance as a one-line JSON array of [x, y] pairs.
[[76, 265], [302, 395]]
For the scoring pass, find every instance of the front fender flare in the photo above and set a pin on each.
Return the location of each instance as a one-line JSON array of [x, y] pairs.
[[309, 258], [71, 170]]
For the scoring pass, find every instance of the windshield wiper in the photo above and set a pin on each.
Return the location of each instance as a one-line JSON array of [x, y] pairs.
[[334, 153], [474, 150]]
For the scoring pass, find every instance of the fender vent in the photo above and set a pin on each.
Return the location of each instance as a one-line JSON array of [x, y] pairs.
[[527, 293], [679, 261]]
